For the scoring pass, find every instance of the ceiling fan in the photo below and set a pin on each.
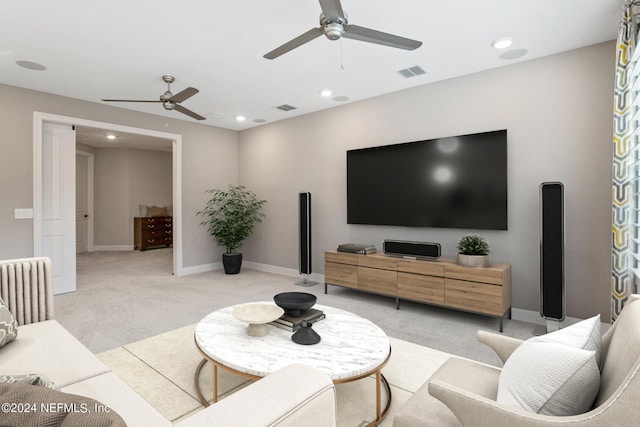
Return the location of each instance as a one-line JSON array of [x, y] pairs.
[[334, 24], [169, 100]]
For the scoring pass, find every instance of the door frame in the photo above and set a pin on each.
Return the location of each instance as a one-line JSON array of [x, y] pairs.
[[40, 117], [90, 174]]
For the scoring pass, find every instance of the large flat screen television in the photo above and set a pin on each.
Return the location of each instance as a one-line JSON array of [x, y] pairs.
[[453, 182]]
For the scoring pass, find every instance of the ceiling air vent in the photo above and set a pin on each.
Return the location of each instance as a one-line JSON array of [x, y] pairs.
[[286, 107], [416, 70]]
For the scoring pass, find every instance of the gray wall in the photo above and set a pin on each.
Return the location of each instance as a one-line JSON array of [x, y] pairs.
[[209, 159], [125, 179], [558, 114], [557, 110]]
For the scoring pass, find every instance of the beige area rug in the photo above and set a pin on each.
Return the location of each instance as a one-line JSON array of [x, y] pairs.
[[162, 368]]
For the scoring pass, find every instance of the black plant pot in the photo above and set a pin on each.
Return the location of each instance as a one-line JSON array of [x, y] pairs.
[[232, 263]]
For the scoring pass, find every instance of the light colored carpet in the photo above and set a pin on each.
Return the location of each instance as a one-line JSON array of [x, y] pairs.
[[124, 297], [161, 369]]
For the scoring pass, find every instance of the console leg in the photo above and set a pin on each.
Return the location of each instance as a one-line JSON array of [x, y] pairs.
[[397, 303], [325, 288]]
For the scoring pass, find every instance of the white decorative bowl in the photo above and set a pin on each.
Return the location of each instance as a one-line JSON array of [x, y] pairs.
[[257, 315]]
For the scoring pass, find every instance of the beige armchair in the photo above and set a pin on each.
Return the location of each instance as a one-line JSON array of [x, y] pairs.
[[463, 392]]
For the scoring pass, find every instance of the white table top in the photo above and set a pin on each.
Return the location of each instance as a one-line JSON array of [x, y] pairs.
[[350, 345]]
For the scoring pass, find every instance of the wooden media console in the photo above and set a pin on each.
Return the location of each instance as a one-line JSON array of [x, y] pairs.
[[439, 282]]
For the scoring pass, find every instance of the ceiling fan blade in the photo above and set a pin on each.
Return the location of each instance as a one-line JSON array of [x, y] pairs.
[[185, 94], [129, 100], [188, 112], [356, 32], [331, 8], [292, 44]]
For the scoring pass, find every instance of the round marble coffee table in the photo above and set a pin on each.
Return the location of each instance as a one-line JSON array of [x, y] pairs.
[[351, 348]]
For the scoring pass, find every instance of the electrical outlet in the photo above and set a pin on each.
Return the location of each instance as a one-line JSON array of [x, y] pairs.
[[23, 213]]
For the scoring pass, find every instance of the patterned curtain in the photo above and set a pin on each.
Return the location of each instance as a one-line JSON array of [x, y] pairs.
[[622, 279]]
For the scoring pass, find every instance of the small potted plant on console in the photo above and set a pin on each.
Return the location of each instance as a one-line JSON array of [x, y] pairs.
[[230, 217], [473, 251]]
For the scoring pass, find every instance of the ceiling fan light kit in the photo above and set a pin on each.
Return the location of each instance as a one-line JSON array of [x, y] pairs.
[[334, 25]]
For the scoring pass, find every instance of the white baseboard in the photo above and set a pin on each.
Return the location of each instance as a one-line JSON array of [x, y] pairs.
[[113, 247], [315, 277], [203, 268]]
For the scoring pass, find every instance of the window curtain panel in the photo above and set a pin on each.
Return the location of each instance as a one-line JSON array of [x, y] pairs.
[[622, 277]]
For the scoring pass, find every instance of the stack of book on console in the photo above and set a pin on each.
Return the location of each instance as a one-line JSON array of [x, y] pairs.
[[292, 324], [356, 248]]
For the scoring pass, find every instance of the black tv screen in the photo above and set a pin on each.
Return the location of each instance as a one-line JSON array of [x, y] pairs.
[[453, 182]]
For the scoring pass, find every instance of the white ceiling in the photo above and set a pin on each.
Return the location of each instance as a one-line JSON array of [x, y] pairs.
[[121, 48]]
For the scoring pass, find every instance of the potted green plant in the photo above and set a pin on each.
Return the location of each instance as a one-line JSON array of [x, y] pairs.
[[230, 216], [473, 251]]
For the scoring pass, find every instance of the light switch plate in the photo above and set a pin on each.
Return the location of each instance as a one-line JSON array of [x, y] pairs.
[[23, 213]]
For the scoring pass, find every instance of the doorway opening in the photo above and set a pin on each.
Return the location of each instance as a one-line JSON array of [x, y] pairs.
[[40, 190]]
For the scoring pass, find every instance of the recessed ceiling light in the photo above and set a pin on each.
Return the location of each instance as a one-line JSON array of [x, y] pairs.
[[502, 43], [30, 65], [326, 93], [111, 136], [241, 118]]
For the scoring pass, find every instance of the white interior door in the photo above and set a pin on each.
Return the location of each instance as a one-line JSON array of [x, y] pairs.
[[59, 204], [82, 211], [40, 121]]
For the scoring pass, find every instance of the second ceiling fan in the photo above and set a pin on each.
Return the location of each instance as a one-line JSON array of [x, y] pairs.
[[334, 25]]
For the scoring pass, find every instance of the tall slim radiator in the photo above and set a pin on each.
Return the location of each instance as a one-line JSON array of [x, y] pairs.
[[26, 287]]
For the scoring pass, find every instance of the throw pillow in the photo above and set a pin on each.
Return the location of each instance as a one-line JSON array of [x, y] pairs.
[[550, 378], [584, 334], [8, 325], [32, 379]]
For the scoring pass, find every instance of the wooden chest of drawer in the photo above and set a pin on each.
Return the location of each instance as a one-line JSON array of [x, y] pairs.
[[152, 232]]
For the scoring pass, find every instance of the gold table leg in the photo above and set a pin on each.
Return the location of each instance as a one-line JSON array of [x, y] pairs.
[[215, 382], [380, 381], [380, 412], [378, 398], [203, 400]]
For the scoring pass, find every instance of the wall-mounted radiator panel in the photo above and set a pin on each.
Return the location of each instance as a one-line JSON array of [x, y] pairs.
[[26, 287]]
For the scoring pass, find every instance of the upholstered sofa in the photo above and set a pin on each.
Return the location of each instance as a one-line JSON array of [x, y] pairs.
[[464, 393], [44, 347]]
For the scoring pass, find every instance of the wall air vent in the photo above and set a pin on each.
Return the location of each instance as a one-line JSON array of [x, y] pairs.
[[286, 107], [416, 70]]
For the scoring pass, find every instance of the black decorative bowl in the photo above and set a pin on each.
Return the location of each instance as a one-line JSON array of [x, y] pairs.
[[294, 302]]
